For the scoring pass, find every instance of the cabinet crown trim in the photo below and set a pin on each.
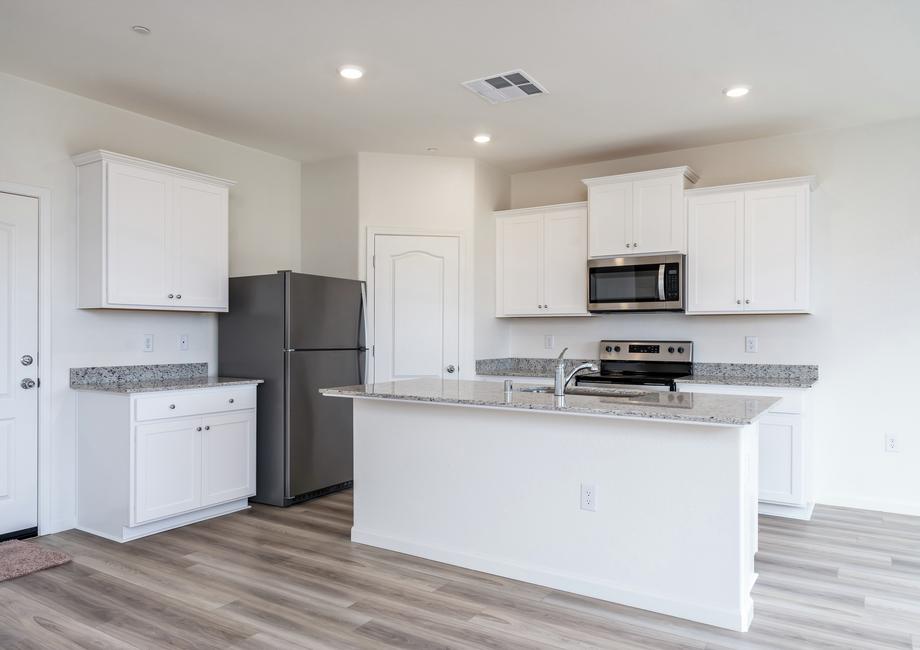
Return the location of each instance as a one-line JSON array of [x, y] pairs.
[[683, 170], [540, 209], [101, 154], [811, 181]]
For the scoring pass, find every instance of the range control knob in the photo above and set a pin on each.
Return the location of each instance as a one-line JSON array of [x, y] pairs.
[[609, 349], [671, 349], [616, 348], [680, 350]]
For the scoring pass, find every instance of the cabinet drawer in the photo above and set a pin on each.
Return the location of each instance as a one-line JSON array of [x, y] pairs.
[[194, 402], [790, 398]]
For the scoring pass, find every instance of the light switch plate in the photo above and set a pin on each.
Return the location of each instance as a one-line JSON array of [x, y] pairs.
[[148, 343], [549, 341], [751, 344]]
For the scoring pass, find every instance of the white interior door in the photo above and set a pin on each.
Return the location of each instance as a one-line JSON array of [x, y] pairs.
[[18, 363], [416, 306]]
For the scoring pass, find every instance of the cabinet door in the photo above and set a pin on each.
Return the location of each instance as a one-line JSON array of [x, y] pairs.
[[715, 252], [138, 261], [776, 249], [199, 242], [228, 457], [781, 467], [658, 223], [167, 469], [610, 218], [565, 259], [520, 264]]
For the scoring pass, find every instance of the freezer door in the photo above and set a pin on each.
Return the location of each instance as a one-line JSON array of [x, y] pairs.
[[323, 313], [319, 432]]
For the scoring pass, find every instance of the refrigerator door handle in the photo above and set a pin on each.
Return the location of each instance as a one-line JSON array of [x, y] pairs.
[[364, 346]]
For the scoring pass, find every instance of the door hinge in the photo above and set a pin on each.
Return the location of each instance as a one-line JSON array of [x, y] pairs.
[[373, 350], [373, 261]]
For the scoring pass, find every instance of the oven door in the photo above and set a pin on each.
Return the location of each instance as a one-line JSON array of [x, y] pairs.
[[636, 284]]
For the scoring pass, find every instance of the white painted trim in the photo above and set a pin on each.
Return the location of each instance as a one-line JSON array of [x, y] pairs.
[[43, 195], [789, 512], [812, 182], [539, 209], [879, 505], [578, 584], [683, 170], [177, 521], [369, 250], [101, 154]]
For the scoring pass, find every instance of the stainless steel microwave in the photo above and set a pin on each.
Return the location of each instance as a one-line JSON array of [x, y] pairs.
[[642, 283]]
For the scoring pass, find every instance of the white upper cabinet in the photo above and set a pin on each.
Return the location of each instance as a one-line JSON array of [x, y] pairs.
[[150, 236], [641, 213], [749, 248], [541, 261]]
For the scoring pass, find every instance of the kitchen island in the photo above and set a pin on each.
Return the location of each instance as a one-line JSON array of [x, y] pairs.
[[643, 499]]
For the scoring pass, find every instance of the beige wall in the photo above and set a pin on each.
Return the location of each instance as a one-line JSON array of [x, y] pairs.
[[40, 128], [866, 238], [330, 217]]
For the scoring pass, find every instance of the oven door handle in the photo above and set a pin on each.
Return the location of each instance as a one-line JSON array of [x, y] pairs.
[[661, 282]]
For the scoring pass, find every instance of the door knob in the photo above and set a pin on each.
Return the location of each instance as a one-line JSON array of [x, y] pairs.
[[450, 368], [26, 359], [27, 383]]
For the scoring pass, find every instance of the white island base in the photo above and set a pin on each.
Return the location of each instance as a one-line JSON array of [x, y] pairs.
[[499, 490]]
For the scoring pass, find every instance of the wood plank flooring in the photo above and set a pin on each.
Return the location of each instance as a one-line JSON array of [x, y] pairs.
[[273, 578]]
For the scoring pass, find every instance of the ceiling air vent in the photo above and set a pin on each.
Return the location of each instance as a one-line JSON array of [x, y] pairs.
[[505, 87]]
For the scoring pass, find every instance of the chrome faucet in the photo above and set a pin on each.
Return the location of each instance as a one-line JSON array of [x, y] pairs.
[[561, 379]]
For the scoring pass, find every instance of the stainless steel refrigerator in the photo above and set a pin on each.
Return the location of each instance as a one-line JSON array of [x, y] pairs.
[[299, 333]]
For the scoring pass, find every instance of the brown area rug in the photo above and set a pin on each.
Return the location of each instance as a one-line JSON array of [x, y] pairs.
[[18, 558]]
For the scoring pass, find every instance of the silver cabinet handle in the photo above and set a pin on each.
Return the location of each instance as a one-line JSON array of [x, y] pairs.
[[26, 359], [170, 296], [198, 429], [635, 245], [450, 368], [738, 302], [545, 306], [207, 428], [747, 302], [231, 400], [627, 244], [172, 406], [178, 296], [27, 383]]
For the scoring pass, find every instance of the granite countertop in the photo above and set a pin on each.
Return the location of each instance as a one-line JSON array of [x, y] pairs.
[[697, 408], [727, 374], [159, 385]]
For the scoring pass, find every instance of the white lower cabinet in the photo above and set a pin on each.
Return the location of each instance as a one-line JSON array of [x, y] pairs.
[[141, 471], [784, 449]]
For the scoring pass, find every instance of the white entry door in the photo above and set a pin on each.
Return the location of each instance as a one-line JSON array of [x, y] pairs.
[[18, 363], [416, 306]]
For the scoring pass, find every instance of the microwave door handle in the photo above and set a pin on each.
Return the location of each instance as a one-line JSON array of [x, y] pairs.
[[661, 282]]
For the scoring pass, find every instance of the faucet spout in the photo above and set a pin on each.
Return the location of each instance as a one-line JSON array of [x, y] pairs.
[[561, 380]]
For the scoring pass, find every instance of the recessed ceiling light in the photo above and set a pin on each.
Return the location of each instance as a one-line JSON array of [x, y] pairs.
[[482, 138], [140, 29], [431, 149], [736, 91], [351, 71]]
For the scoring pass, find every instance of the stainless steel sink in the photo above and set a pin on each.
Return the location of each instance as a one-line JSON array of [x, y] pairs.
[[575, 390]]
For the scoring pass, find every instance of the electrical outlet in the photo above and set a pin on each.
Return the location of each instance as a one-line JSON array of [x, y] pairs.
[[588, 497], [549, 342], [183, 341], [750, 344], [148, 343], [891, 443]]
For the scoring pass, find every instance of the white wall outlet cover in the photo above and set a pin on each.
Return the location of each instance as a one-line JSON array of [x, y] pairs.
[[588, 497], [891, 443], [549, 341], [183, 341], [148, 343], [751, 344]]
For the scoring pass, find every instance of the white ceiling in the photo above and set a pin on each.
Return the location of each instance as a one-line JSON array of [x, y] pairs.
[[624, 76]]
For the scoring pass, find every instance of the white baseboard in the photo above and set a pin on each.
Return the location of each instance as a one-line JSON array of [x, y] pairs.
[[790, 512], [880, 505], [739, 620], [161, 525]]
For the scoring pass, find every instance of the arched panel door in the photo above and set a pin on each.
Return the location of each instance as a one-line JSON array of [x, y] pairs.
[[416, 306]]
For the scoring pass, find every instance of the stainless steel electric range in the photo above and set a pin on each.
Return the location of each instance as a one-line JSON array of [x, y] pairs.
[[653, 365]]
